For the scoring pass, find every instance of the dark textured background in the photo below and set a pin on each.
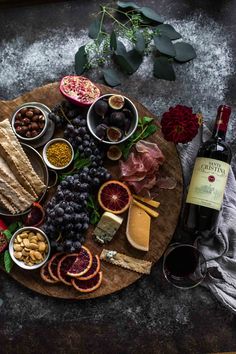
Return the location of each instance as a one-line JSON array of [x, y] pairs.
[[37, 43]]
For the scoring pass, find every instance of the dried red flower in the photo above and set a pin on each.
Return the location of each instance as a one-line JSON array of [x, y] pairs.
[[179, 124]]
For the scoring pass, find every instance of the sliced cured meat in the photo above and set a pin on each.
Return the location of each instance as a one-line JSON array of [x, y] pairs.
[[152, 149], [141, 168]]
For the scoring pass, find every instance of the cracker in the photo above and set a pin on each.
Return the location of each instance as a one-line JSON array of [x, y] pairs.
[[127, 262]]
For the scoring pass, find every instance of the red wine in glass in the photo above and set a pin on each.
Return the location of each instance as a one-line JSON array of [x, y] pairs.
[[184, 266]]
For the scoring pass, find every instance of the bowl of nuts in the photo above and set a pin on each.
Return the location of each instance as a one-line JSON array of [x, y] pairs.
[[29, 122], [29, 248]]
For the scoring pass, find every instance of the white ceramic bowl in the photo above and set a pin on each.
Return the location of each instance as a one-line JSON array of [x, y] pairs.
[[21, 264], [57, 140], [35, 137], [92, 120]]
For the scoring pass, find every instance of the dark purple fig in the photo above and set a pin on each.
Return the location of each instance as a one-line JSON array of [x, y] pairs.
[[114, 134], [101, 108], [101, 131], [127, 113], [117, 119], [127, 123]]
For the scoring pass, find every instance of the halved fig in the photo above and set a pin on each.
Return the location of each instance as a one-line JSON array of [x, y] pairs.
[[79, 90], [116, 101], [45, 275], [114, 134], [81, 264], [114, 153]]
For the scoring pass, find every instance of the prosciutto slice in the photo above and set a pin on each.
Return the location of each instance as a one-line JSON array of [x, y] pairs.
[[140, 170]]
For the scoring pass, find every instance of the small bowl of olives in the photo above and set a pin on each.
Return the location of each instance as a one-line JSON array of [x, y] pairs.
[[29, 122], [112, 118]]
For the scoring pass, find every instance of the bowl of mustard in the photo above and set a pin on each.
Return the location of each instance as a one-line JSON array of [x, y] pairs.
[[58, 154]]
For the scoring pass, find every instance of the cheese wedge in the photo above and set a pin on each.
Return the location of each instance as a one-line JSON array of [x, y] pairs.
[[138, 228], [107, 227], [148, 201], [151, 212]]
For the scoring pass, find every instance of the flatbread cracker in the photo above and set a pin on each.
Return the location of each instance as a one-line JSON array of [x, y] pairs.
[[127, 262]]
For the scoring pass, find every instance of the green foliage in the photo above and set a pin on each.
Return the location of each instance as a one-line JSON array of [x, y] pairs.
[[94, 210], [8, 263], [78, 164], [144, 130], [144, 30]]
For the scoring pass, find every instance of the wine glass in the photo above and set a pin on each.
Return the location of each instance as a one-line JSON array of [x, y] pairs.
[[184, 266]]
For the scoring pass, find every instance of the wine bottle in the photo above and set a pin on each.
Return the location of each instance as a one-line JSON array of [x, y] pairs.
[[209, 177]]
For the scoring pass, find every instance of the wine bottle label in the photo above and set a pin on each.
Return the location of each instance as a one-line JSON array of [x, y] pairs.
[[208, 183]]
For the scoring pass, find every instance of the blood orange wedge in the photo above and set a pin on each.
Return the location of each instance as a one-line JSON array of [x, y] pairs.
[[64, 265], [81, 264], [45, 275], [93, 270], [114, 196], [53, 263], [87, 286]]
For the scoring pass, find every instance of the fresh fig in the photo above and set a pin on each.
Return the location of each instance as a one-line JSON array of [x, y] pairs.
[[127, 123], [114, 134], [127, 113], [114, 153], [116, 102], [101, 130], [117, 119], [101, 108]]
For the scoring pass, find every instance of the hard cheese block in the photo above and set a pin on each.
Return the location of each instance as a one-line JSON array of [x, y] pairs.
[[138, 228], [107, 227]]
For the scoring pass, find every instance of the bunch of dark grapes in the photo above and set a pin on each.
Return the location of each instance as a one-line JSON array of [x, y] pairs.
[[67, 214], [63, 112]]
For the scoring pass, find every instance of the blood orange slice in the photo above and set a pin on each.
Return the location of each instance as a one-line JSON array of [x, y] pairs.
[[82, 263], [87, 286], [114, 196], [64, 265], [53, 263], [93, 270], [45, 275]]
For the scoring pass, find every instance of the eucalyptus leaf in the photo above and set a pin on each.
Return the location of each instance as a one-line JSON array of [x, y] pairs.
[[164, 45], [111, 77], [151, 14], [8, 263], [163, 69], [94, 28], [113, 41], [184, 52], [81, 60], [140, 42], [135, 59], [120, 48], [123, 63], [127, 5], [169, 31]]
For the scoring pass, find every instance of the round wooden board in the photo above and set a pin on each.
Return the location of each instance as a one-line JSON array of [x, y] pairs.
[[162, 228]]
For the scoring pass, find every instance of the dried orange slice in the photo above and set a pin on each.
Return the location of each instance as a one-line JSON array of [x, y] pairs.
[[53, 263], [64, 265], [114, 196], [87, 286], [81, 264], [45, 275], [94, 269]]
